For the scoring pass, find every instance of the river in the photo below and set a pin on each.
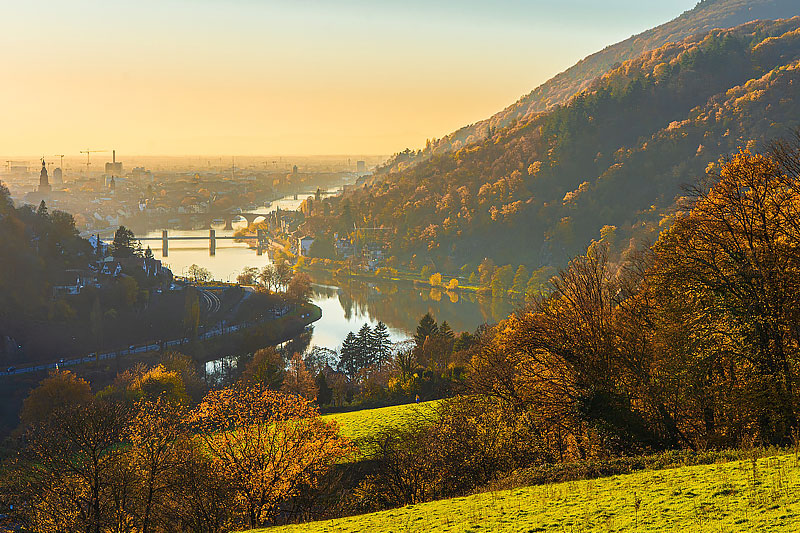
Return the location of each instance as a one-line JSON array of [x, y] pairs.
[[345, 306]]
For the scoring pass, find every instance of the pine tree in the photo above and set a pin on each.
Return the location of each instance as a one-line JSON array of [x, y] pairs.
[[427, 327], [347, 357], [324, 392], [381, 344], [365, 347], [448, 338], [125, 243]]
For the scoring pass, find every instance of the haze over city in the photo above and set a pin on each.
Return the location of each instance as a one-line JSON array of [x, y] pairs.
[[284, 77]]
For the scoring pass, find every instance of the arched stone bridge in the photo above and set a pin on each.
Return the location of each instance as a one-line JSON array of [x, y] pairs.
[[206, 218]]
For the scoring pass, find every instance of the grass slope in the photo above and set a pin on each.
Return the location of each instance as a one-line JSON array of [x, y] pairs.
[[760, 495], [358, 425]]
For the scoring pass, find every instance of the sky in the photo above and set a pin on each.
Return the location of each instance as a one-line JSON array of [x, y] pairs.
[[299, 77]]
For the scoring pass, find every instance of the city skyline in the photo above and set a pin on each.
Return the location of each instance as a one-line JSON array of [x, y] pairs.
[[302, 78]]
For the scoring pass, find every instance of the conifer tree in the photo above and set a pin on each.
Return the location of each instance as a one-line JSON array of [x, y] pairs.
[[427, 327], [347, 357], [365, 347], [381, 344]]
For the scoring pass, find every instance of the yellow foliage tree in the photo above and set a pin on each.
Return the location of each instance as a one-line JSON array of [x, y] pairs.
[[268, 445]]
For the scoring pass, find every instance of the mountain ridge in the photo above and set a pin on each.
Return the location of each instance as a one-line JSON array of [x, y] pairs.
[[607, 165], [706, 15]]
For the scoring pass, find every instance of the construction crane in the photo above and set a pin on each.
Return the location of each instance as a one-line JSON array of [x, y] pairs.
[[62, 159], [88, 152]]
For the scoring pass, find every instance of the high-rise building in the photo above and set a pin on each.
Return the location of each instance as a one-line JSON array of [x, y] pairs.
[[114, 168], [361, 167], [58, 177], [44, 183]]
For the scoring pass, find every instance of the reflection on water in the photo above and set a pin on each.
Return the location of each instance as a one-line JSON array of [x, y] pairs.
[[400, 307], [347, 307]]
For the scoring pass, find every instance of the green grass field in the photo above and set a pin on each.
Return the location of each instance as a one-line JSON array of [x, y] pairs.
[[760, 495], [357, 425]]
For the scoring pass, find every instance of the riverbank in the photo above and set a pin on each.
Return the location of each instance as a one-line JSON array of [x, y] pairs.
[[289, 325], [103, 372], [341, 270]]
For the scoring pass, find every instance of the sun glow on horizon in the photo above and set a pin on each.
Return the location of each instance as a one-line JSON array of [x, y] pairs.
[[311, 77]]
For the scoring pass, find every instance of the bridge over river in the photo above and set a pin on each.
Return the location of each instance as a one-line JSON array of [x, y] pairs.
[[262, 237]]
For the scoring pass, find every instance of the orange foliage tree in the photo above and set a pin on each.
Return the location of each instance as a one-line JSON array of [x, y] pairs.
[[267, 445]]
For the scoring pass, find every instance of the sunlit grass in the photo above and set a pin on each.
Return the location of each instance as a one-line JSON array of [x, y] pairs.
[[358, 425], [751, 495]]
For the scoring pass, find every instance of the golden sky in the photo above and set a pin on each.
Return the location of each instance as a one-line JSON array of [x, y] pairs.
[[250, 77]]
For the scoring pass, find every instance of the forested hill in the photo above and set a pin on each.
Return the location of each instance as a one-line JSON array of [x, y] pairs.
[[707, 15], [608, 164]]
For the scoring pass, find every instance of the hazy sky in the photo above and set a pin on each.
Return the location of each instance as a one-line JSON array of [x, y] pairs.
[[283, 77]]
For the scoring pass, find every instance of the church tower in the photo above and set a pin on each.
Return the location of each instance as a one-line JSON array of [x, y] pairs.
[[44, 183]]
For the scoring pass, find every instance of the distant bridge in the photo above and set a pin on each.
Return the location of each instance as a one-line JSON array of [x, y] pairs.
[[228, 218], [262, 236]]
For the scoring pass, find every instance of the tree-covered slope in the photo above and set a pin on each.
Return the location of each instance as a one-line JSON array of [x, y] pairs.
[[707, 15], [615, 156]]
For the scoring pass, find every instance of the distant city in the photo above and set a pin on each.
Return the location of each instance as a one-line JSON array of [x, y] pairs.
[[148, 193]]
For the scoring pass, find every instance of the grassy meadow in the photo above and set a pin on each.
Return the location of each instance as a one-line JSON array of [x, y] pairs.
[[750, 495], [358, 425]]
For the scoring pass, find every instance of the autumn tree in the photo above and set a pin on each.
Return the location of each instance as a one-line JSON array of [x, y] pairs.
[[520, 282], [268, 278], [736, 257], [60, 389], [266, 445], [298, 379], [199, 274], [283, 274], [299, 288], [502, 280], [159, 446], [75, 469], [267, 368], [248, 276]]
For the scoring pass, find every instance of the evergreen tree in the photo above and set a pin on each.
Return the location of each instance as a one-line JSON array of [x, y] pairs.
[[347, 357], [125, 244], [427, 328], [448, 338], [381, 344], [42, 210], [324, 392], [446, 331], [365, 347]]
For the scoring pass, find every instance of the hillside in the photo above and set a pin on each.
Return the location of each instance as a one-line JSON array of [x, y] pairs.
[[358, 425], [608, 164], [707, 15], [760, 495]]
